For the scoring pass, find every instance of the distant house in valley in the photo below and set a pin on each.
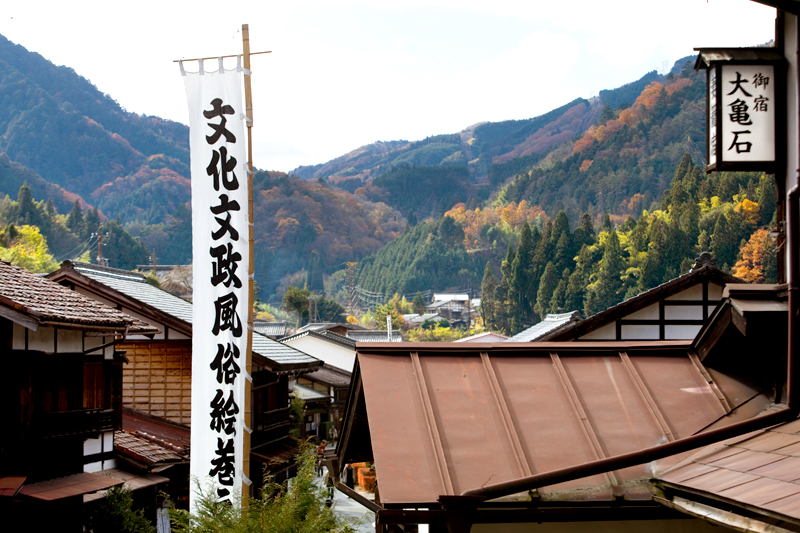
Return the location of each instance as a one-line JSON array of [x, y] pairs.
[[340, 328], [61, 390], [157, 382], [374, 335], [414, 320], [453, 307]]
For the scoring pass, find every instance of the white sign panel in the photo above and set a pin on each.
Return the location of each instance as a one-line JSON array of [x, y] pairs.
[[220, 261], [748, 113]]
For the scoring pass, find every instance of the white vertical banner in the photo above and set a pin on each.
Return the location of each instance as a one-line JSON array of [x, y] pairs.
[[220, 263]]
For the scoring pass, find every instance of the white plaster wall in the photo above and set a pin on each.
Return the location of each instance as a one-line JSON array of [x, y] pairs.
[[332, 354], [683, 312], [18, 336], [648, 313], [93, 467], [70, 341], [606, 333], [673, 333], [42, 340], [695, 292], [714, 291], [92, 446], [641, 333]]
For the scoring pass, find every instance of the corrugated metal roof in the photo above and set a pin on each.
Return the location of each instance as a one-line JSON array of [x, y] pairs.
[[549, 324], [759, 470], [445, 419], [65, 487]]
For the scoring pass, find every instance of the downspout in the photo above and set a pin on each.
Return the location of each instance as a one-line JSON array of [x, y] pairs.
[[784, 412]]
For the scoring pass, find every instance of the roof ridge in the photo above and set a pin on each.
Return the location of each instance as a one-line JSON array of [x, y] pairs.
[[105, 271]]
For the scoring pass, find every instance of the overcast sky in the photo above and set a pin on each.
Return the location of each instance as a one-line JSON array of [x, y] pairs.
[[347, 73]]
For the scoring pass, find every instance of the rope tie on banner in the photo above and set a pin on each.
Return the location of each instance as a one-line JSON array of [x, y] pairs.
[[240, 68], [200, 63], [183, 70], [221, 66], [245, 479], [246, 427], [248, 377]]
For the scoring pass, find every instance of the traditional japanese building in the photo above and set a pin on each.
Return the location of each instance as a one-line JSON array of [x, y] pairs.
[[157, 382], [673, 310], [61, 391]]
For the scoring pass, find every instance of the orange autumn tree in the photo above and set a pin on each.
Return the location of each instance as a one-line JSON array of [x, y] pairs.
[[510, 217], [630, 116], [758, 263]]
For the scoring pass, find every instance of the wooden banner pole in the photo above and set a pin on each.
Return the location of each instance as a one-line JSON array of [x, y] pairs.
[[248, 387]]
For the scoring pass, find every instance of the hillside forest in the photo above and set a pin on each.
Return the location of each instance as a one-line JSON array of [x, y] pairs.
[[576, 209]]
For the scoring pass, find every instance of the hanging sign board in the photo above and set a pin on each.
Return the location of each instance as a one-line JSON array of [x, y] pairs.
[[745, 99], [220, 262]]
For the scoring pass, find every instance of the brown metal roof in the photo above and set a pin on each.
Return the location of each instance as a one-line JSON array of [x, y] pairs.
[[64, 487], [758, 471], [444, 418], [44, 301], [10, 485]]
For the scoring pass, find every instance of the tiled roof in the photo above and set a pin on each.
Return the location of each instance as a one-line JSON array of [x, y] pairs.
[[330, 375], [271, 329], [308, 394], [147, 451], [760, 470], [280, 353], [374, 335], [549, 324], [329, 336], [134, 285], [46, 301]]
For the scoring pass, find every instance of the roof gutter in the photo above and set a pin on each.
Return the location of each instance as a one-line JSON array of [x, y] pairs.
[[783, 412], [718, 517]]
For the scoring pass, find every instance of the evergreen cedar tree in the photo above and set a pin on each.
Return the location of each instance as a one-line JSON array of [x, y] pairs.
[[719, 213]]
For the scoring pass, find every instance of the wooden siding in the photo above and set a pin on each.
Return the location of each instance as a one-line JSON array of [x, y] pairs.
[[158, 379]]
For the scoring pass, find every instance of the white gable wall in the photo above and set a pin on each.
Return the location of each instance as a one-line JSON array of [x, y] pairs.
[[332, 354]]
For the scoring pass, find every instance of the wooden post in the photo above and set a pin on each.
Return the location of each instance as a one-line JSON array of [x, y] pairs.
[[248, 387]]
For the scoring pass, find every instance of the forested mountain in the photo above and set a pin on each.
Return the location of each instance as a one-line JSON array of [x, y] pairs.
[[62, 127], [530, 193]]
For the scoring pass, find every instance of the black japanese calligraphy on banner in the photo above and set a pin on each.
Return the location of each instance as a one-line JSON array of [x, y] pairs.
[[220, 256]]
